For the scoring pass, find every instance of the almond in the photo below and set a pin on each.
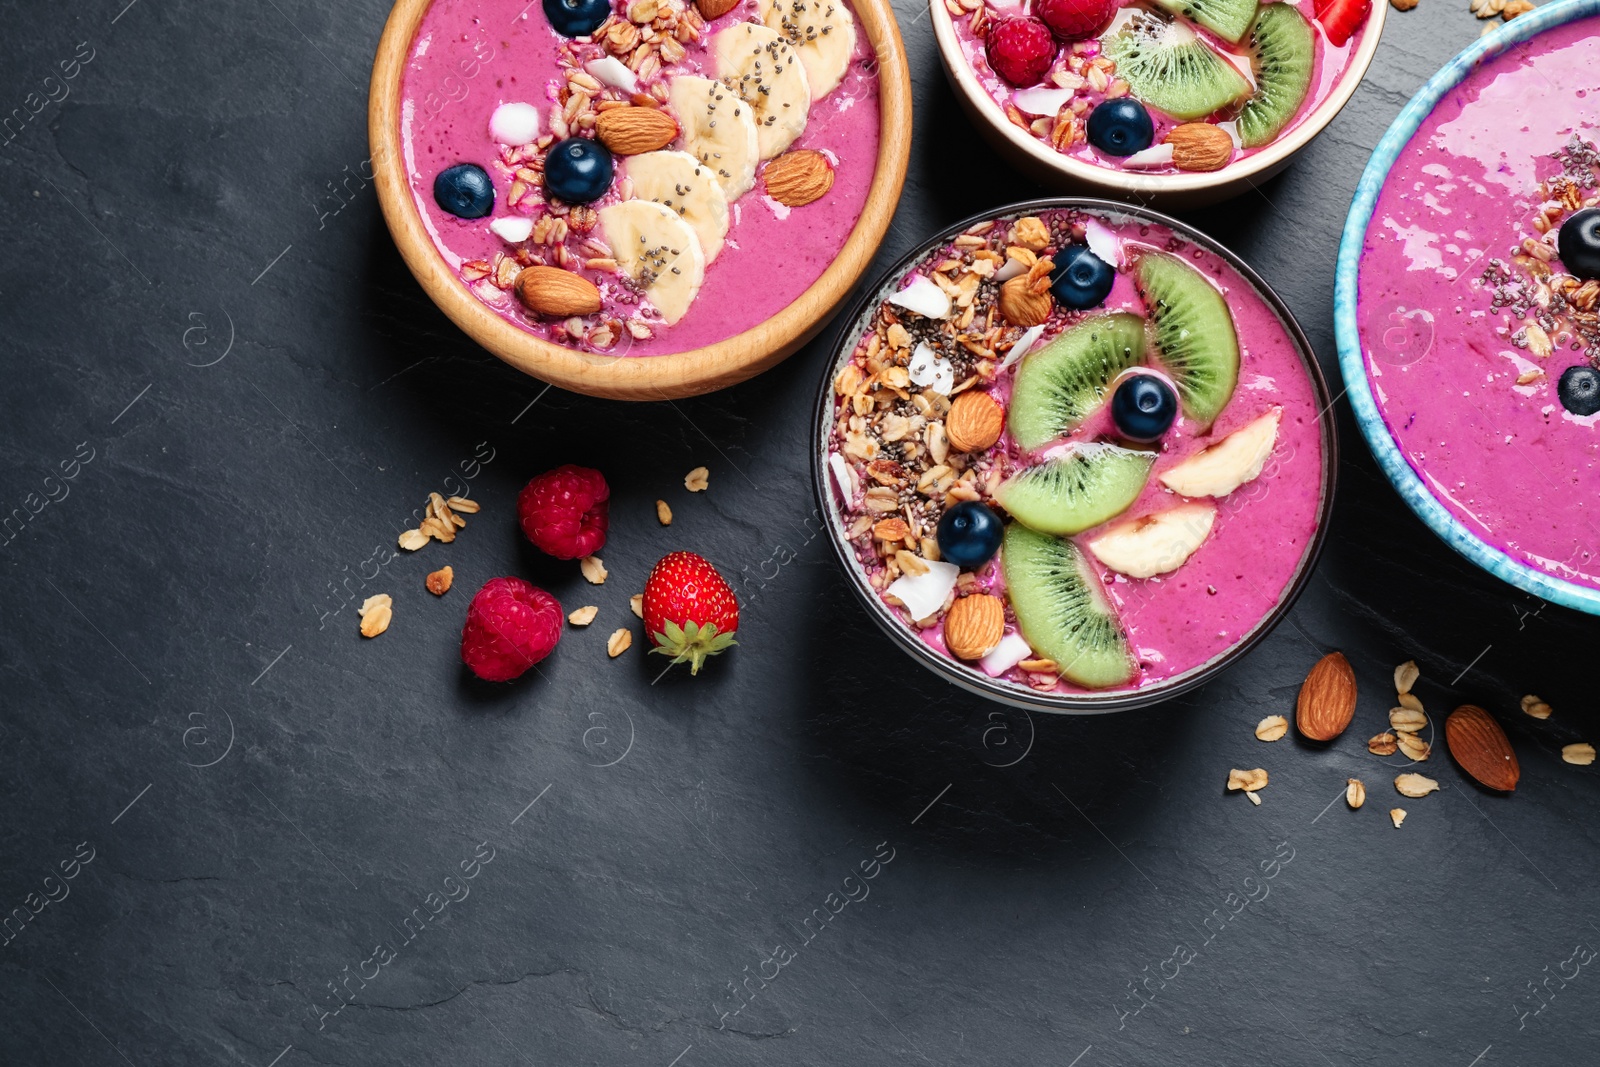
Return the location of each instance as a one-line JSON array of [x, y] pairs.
[[1327, 699], [1021, 305], [1480, 746], [557, 293], [797, 178], [1200, 146], [632, 131], [713, 9], [974, 625], [975, 421]]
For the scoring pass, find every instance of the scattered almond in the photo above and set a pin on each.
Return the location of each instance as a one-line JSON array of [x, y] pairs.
[[439, 581], [1402, 5], [975, 421], [1327, 700], [463, 505], [1415, 785], [1580, 754], [663, 513], [715, 9], [974, 625], [636, 602], [1414, 747], [376, 613], [1481, 747], [1272, 728], [633, 131], [1405, 676], [1200, 146], [1020, 305], [557, 293], [594, 571], [1355, 794], [583, 616], [797, 178], [697, 480], [1406, 720], [1249, 781], [1383, 744], [1398, 815], [412, 540], [619, 642], [1532, 705]]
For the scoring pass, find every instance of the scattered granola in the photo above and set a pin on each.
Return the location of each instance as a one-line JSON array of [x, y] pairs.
[[439, 581], [1249, 781], [1398, 815], [663, 513], [1535, 707], [1384, 744], [376, 613], [1580, 754], [619, 642], [1405, 676], [1272, 728], [1407, 720], [1254, 798], [636, 602], [1414, 785], [1414, 747], [583, 616], [441, 519], [594, 571], [1355, 794]]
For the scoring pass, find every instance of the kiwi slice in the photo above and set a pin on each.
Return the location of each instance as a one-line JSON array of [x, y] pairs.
[[1194, 335], [1082, 487], [1285, 49], [1172, 70], [1058, 386], [1062, 611], [1228, 19]]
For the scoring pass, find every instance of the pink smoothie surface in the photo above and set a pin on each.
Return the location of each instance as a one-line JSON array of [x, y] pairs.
[[470, 56], [1331, 64], [1258, 545], [1508, 460]]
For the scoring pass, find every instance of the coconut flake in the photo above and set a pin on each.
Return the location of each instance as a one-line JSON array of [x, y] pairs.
[[1012, 650], [1231, 128], [1010, 269], [1244, 65], [1105, 245], [513, 229], [514, 124], [1024, 345], [924, 594], [609, 70], [1155, 156], [842, 477], [1125, 17], [1040, 101], [924, 298], [928, 368]]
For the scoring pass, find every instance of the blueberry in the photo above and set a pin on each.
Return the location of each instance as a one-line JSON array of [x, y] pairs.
[[1579, 389], [1081, 280], [1579, 243], [1143, 408], [969, 535], [1121, 127], [577, 18], [465, 191], [578, 170]]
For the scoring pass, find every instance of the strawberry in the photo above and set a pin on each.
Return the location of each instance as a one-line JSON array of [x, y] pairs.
[[1341, 18], [689, 611]]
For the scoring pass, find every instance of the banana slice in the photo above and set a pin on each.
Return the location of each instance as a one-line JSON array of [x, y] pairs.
[[821, 31], [757, 63], [659, 251], [1155, 544], [1231, 462], [718, 129], [677, 180]]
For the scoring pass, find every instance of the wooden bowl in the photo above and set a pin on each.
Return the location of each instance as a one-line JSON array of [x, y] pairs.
[[664, 377], [1167, 191]]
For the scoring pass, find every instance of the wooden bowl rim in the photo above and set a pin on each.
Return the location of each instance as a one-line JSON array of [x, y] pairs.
[[663, 377], [1150, 187]]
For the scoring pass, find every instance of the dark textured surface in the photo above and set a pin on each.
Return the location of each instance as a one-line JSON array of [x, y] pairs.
[[177, 598]]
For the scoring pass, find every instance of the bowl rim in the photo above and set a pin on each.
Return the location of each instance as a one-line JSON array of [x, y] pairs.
[[971, 679], [669, 376], [1347, 335], [1265, 163]]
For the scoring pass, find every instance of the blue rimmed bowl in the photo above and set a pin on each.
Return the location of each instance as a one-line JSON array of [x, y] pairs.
[[1352, 364]]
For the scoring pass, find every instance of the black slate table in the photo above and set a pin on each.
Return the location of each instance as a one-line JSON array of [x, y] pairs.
[[289, 846]]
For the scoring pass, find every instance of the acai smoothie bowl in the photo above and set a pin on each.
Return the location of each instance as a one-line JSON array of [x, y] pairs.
[[1074, 456], [1468, 303], [641, 199], [1175, 102]]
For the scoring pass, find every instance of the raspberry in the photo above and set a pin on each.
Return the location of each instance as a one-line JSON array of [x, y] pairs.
[[564, 511], [1021, 49], [1075, 20], [511, 625]]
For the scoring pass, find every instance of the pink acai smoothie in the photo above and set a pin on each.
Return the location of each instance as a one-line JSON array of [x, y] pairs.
[[1082, 76], [470, 57], [1175, 622], [1468, 318]]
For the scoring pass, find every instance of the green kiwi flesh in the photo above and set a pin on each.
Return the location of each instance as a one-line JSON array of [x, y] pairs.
[[1167, 67], [1083, 487], [1285, 49], [1060, 385], [1062, 611], [1195, 339]]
